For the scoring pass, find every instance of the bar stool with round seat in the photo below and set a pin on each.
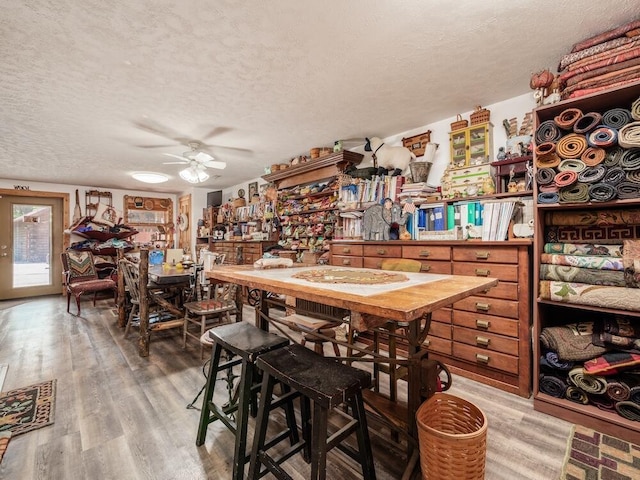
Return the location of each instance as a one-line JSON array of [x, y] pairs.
[[244, 342], [326, 383]]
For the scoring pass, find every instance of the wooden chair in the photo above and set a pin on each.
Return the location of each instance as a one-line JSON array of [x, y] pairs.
[[81, 276], [214, 304], [159, 318]]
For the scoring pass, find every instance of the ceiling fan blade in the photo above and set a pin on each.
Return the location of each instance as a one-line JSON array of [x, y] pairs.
[[235, 149], [215, 131], [203, 157], [215, 164], [155, 128], [175, 163], [155, 146], [184, 160]]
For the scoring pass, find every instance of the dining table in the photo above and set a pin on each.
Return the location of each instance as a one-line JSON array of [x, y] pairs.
[[373, 297], [153, 281]]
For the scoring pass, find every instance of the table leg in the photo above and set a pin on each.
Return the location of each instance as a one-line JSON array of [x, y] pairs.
[[416, 334], [143, 341], [263, 307]]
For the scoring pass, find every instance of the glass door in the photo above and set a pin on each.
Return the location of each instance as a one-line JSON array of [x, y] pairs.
[[31, 239]]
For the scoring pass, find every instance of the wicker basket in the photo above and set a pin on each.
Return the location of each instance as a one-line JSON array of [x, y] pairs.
[[480, 115], [459, 123], [453, 439]]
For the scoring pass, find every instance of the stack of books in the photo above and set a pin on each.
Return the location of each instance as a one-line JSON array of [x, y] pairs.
[[419, 193]]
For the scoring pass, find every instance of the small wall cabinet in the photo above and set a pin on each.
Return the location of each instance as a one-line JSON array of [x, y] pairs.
[[471, 146]]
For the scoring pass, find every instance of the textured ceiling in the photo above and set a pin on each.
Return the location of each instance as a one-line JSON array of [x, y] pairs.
[[87, 86]]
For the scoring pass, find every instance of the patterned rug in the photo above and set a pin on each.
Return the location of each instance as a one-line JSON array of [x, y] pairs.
[[4, 443], [593, 455], [28, 408]]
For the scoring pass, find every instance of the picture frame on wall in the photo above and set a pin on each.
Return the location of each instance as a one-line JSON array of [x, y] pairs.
[[253, 189]]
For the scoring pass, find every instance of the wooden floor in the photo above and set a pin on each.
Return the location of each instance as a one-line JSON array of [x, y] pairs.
[[119, 416]]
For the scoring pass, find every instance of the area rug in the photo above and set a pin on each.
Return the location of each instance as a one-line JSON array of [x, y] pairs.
[[4, 443], [592, 455], [28, 408]]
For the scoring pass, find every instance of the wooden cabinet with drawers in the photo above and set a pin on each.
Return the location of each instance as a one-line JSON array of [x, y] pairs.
[[240, 252], [485, 337]]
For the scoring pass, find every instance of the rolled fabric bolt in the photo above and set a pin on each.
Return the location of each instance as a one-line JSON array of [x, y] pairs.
[[571, 146], [547, 131], [547, 197], [616, 118], [613, 156], [603, 137], [614, 176], [629, 135], [587, 122], [630, 159], [573, 164], [546, 147], [602, 192], [567, 118], [566, 178], [545, 176], [592, 174], [593, 156], [549, 160]]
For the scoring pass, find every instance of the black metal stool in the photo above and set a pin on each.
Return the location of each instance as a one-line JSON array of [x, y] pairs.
[[246, 342], [328, 384]]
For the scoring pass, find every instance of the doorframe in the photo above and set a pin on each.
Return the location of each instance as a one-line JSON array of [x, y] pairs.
[[66, 217]]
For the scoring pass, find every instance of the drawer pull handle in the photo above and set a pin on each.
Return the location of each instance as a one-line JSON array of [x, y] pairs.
[[425, 268], [484, 324], [483, 306], [482, 358], [482, 272], [424, 253], [346, 262], [346, 250], [482, 341], [382, 251], [482, 255], [427, 342]]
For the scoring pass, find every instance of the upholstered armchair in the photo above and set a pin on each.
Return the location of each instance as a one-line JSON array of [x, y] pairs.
[[80, 277]]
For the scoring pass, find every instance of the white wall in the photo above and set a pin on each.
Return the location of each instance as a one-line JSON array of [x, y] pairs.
[[514, 107]]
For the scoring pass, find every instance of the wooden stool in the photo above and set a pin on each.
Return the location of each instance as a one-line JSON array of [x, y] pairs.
[[246, 342], [328, 384]]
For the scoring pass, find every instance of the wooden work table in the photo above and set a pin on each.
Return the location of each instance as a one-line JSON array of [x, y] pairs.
[[410, 302]]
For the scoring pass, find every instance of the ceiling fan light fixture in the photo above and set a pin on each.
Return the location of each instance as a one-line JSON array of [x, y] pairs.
[[150, 177], [194, 175]]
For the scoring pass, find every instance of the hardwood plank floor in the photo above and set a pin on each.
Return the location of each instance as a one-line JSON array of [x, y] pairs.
[[119, 416]]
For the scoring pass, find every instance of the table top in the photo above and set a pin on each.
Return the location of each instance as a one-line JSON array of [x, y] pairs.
[[163, 275], [406, 300]]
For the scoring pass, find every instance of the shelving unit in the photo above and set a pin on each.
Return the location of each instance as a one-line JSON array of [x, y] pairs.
[[152, 218], [93, 198], [309, 213], [550, 313]]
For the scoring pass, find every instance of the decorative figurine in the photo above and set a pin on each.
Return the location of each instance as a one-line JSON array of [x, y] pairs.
[[386, 157], [382, 221], [501, 154]]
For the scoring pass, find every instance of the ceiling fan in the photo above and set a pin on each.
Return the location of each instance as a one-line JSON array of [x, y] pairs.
[[195, 156], [198, 162]]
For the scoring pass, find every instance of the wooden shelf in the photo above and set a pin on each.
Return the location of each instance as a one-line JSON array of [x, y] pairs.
[[314, 170]]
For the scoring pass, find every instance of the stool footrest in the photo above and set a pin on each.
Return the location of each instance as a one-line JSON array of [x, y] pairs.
[[229, 364], [341, 434], [272, 466], [222, 414]]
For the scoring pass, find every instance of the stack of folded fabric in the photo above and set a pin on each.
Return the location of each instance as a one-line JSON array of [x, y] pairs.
[[606, 60], [604, 274]]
